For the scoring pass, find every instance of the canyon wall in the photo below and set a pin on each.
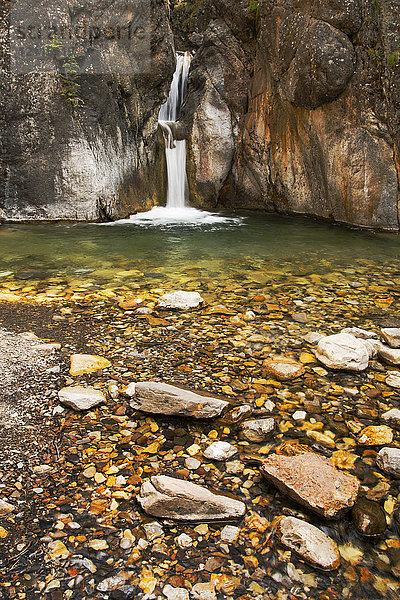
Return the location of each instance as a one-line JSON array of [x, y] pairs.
[[294, 107], [78, 112]]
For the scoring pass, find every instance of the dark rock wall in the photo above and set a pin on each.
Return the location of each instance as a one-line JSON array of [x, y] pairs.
[[102, 159], [308, 93]]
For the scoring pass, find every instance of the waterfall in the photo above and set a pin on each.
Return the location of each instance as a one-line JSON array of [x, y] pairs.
[[177, 212], [175, 150]]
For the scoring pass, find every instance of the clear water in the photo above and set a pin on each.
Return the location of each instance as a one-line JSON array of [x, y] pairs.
[[220, 247]]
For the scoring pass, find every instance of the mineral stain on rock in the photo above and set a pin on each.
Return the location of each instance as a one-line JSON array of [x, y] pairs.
[[312, 481]]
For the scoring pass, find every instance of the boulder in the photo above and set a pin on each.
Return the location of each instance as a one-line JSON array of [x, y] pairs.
[[313, 481], [258, 430], [388, 460], [180, 300], [392, 418], [375, 435], [220, 451], [282, 368], [169, 498], [343, 351], [87, 363], [391, 335], [165, 399], [81, 398], [308, 542]]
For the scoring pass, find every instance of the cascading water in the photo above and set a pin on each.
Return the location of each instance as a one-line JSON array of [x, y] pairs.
[[175, 150], [177, 211]]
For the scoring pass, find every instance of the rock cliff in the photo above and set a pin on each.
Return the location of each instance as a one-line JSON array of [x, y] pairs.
[[294, 107], [78, 112]]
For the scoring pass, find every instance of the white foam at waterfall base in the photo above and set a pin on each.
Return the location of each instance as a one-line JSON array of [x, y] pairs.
[[160, 216]]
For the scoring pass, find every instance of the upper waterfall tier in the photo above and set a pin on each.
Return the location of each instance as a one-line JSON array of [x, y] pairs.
[[170, 110]]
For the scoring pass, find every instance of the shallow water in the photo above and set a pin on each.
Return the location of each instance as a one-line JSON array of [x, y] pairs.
[[337, 276], [218, 246]]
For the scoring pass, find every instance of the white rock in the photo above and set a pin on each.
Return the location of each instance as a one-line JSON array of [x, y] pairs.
[[204, 591], [5, 508], [313, 337], [81, 398], [220, 451], [192, 464], [170, 498], [309, 542], [112, 583], [393, 379], [258, 430], [360, 333], [392, 418], [130, 390], [299, 415], [230, 534], [391, 335], [180, 300], [388, 460], [144, 310], [173, 593], [343, 351], [234, 467], [184, 541], [153, 530], [165, 399], [389, 355]]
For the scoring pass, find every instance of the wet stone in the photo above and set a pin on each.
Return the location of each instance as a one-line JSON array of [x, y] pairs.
[[343, 351], [165, 399], [389, 355], [393, 379], [258, 430], [180, 300], [170, 498], [312, 481], [391, 336], [283, 368], [87, 363], [375, 435], [220, 451], [368, 517], [392, 418], [388, 460], [308, 542], [6, 508], [81, 398]]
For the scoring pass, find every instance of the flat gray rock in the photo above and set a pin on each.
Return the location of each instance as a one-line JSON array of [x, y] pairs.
[[258, 430], [362, 334], [180, 300], [343, 351], [388, 460], [309, 542], [165, 399], [169, 498], [81, 398], [391, 335]]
